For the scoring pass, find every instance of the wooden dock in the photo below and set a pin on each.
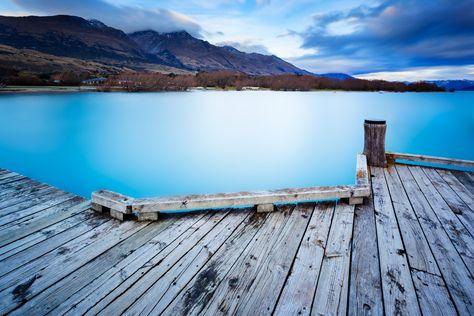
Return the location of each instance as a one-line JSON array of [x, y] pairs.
[[407, 250]]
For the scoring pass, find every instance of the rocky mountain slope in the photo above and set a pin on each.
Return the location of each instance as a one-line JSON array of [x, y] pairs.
[[75, 37], [200, 55]]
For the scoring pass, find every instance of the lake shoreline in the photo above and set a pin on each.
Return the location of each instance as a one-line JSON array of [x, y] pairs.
[[45, 89], [75, 89]]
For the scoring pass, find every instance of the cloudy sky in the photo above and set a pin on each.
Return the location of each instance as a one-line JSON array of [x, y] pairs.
[[390, 39]]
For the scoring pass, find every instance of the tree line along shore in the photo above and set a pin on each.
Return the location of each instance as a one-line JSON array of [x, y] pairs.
[[154, 81]]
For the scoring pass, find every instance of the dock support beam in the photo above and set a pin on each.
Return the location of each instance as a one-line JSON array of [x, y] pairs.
[[143, 217], [356, 200], [265, 208], [118, 205], [374, 142]]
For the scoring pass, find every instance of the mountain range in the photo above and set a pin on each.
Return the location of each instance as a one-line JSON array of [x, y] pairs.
[[73, 37], [455, 85], [52, 44]]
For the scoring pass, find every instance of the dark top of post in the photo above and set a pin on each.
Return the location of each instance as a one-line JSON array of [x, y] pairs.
[[377, 122]]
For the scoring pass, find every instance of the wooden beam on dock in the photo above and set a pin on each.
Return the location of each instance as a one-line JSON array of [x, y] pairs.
[[392, 156], [222, 200], [116, 204], [119, 203]]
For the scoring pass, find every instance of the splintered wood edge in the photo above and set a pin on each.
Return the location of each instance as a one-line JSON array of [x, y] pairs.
[[430, 159]]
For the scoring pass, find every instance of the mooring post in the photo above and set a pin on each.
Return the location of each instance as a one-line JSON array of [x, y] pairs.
[[374, 142]]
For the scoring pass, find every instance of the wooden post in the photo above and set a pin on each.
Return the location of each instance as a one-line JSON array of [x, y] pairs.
[[374, 142]]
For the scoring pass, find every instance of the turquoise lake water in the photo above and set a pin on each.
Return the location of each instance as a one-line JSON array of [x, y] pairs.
[[156, 144]]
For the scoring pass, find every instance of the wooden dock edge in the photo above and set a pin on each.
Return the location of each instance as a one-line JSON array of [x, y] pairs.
[[148, 208], [392, 157]]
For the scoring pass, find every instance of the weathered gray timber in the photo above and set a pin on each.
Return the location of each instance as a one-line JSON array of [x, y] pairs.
[[148, 208], [430, 159], [365, 292], [397, 286], [405, 250], [374, 142]]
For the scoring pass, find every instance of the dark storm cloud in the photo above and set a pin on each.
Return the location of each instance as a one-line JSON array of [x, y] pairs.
[[396, 34], [127, 18]]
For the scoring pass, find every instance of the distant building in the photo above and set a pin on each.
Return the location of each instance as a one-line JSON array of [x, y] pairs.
[[94, 81]]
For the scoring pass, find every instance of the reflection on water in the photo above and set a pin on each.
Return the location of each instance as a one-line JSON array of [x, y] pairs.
[[152, 144]]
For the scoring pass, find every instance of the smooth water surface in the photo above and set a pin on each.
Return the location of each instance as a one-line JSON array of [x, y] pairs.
[[156, 144]]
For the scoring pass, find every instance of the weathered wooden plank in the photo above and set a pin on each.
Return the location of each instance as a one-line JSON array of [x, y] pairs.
[[79, 301], [34, 224], [333, 285], [458, 279], [233, 288], [25, 210], [7, 174], [148, 272], [193, 298], [14, 178], [39, 210], [123, 204], [432, 294], [247, 198], [298, 293], [17, 260], [262, 297], [21, 183], [17, 197], [56, 255], [163, 254], [397, 287], [15, 296], [60, 291], [466, 178], [362, 172], [457, 205], [458, 187], [165, 289], [45, 233], [430, 159], [459, 235], [365, 291], [416, 246], [7, 197]]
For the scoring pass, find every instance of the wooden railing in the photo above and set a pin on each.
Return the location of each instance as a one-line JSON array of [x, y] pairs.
[[121, 206], [391, 156], [148, 208]]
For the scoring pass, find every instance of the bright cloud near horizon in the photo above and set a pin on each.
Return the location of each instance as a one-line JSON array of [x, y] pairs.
[[375, 39]]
